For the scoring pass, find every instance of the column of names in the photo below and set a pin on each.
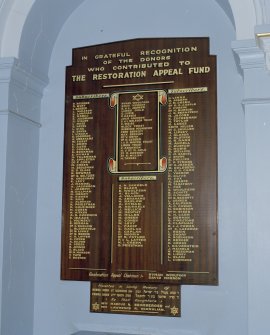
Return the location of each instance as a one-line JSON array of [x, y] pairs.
[[82, 206], [131, 205], [181, 116]]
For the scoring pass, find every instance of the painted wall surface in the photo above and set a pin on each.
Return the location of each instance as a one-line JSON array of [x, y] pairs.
[[258, 167], [62, 307], [19, 142], [19, 231], [3, 151]]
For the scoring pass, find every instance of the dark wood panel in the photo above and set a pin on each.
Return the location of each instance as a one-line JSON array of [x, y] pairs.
[[140, 165], [140, 299]]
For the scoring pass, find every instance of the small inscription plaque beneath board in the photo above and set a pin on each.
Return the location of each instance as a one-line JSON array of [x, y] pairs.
[[140, 164], [146, 299]]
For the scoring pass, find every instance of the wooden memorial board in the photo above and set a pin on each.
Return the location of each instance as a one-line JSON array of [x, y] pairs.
[[140, 163]]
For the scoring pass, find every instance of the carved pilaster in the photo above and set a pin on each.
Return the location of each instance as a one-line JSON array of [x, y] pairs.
[[253, 57], [21, 91], [20, 98], [249, 54], [253, 65], [262, 10]]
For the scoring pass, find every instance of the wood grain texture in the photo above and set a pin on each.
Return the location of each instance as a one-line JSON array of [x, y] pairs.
[[168, 234]]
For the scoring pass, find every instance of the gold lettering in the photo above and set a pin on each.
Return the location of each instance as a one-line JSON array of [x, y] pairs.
[[199, 70], [79, 77], [96, 69], [82, 220], [119, 75], [182, 115], [167, 72], [113, 55], [136, 298], [186, 49]]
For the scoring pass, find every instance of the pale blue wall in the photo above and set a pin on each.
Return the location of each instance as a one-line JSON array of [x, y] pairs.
[[258, 163], [19, 112], [19, 233], [3, 148], [4, 87], [62, 307]]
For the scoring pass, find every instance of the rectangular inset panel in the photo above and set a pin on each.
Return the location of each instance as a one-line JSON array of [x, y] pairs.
[[137, 226], [138, 131], [142, 299]]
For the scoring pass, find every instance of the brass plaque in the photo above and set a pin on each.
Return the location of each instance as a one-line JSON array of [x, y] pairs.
[[143, 299], [140, 165]]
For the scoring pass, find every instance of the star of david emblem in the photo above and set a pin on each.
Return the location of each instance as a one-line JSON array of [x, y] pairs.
[[137, 97], [96, 307], [174, 310]]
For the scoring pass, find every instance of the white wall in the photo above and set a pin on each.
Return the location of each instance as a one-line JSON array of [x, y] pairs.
[[62, 307]]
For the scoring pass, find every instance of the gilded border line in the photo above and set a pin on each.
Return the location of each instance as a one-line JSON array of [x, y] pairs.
[[87, 269], [135, 312], [188, 90], [206, 273], [117, 150], [263, 34], [139, 84], [112, 226], [152, 271], [162, 223]]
